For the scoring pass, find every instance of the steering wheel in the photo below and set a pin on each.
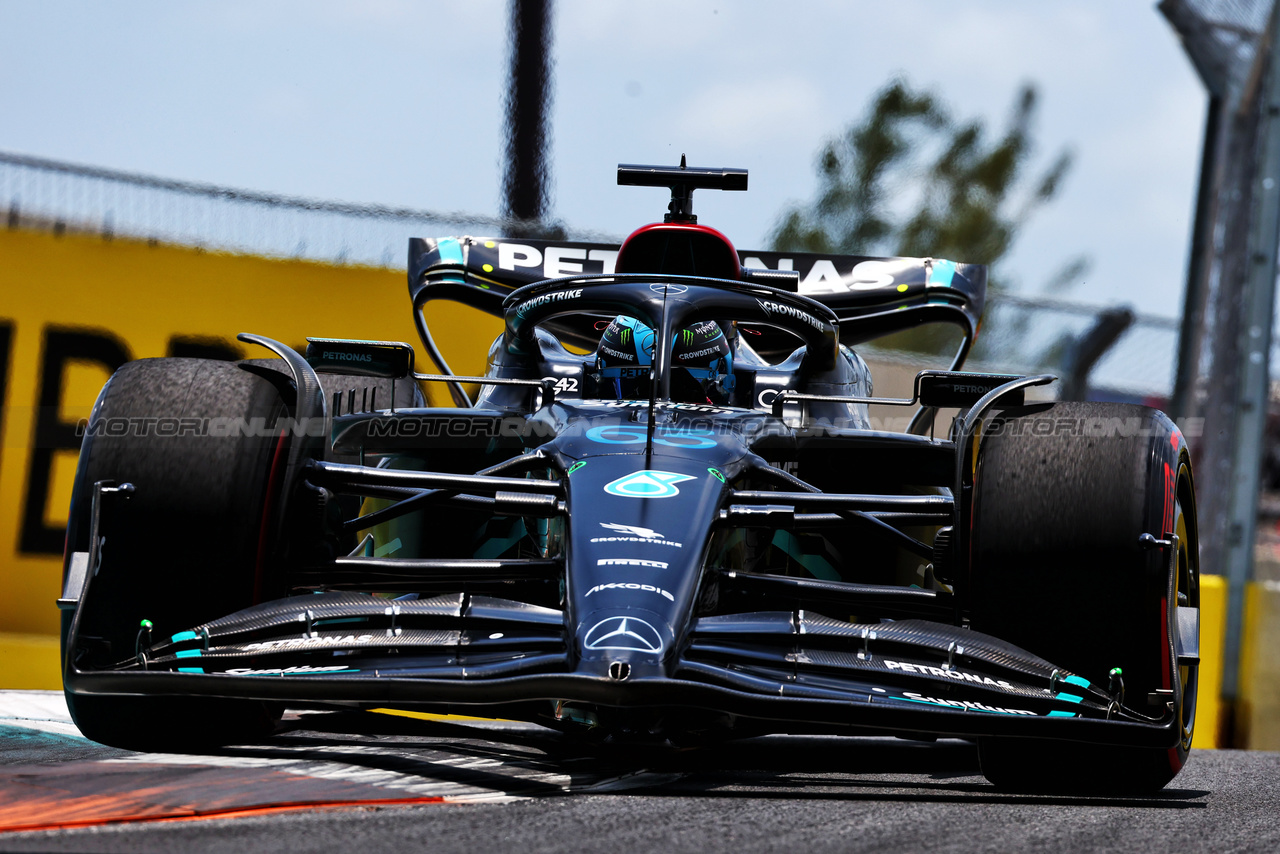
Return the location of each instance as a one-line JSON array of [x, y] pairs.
[[669, 303]]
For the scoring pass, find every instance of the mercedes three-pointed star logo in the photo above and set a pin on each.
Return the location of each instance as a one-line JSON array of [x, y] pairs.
[[623, 633]]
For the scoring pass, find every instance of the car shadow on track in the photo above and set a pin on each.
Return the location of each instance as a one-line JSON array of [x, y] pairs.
[[527, 761]]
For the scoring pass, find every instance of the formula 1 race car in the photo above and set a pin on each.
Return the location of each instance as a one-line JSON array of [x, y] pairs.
[[665, 518]]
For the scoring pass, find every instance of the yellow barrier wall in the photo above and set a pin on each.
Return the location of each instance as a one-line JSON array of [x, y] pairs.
[[1213, 630], [1258, 709], [29, 662], [73, 307]]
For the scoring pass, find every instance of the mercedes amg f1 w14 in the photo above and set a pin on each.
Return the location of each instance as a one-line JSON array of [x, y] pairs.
[[662, 515]]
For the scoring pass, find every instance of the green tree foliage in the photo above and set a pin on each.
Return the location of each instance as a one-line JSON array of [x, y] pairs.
[[911, 180]]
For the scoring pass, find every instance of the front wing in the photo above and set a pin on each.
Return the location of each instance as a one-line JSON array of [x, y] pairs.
[[795, 669]]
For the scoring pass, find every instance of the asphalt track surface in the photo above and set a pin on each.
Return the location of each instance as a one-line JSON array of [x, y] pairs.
[[403, 784]]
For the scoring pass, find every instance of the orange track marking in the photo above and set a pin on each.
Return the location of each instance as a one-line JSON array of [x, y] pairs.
[[38, 797]]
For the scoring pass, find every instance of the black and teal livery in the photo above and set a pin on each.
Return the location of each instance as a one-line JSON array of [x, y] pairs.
[[596, 545]]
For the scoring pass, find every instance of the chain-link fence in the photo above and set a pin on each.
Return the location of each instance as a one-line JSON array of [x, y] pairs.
[[1222, 39], [1025, 335], [36, 192]]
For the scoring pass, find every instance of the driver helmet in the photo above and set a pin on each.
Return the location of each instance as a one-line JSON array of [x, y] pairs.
[[701, 362]]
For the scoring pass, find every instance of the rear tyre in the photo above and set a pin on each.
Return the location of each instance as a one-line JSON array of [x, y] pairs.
[[1062, 493], [189, 544]]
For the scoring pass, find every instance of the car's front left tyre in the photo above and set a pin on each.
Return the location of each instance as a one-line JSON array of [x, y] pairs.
[[1063, 496]]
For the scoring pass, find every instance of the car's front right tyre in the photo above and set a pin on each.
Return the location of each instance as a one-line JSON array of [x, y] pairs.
[[201, 443]]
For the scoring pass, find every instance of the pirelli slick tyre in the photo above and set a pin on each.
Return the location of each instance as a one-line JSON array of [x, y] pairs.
[[1062, 496], [191, 542]]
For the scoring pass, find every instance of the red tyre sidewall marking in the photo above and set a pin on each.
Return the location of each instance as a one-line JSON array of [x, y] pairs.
[[1166, 524], [1166, 675], [1170, 503], [278, 459]]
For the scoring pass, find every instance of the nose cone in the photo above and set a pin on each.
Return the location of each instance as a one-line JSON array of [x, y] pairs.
[[636, 543]]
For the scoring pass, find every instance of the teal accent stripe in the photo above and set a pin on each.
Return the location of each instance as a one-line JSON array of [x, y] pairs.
[[1068, 698], [942, 274], [188, 653], [495, 547], [335, 621], [1057, 714], [817, 565], [1077, 680], [182, 636], [388, 548], [450, 251], [191, 670]]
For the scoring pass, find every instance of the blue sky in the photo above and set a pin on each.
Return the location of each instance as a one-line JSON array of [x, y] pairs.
[[400, 103]]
